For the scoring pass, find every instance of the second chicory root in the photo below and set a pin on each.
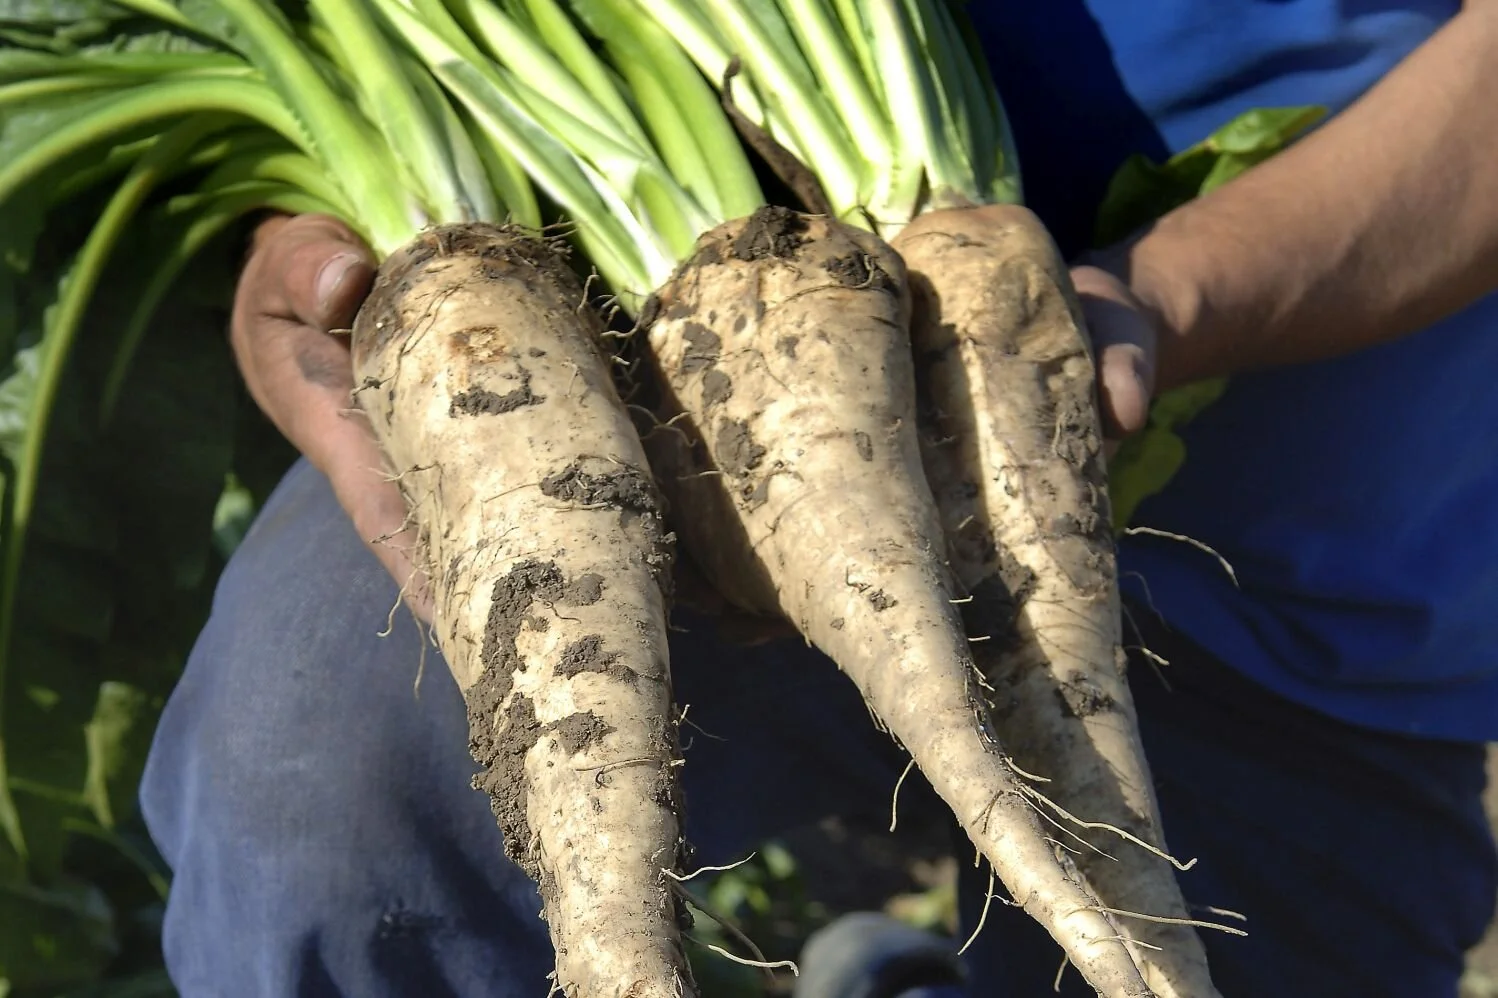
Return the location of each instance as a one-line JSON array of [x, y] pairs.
[[540, 529], [783, 353], [1012, 446]]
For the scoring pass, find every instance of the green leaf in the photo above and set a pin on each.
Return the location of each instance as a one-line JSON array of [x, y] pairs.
[[64, 935], [1264, 131], [118, 737]]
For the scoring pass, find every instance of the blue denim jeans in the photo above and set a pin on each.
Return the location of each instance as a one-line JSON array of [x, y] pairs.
[[312, 799]]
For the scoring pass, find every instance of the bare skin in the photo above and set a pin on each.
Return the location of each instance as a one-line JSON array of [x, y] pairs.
[[306, 277], [1377, 225]]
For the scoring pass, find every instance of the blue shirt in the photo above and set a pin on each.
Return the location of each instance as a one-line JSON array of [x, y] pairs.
[[1356, 499]]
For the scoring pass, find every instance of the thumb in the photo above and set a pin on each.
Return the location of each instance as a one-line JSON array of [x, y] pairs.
[[1124, 341]]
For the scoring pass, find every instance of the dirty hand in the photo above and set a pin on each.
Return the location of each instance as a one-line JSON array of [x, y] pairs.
[[305, 279]]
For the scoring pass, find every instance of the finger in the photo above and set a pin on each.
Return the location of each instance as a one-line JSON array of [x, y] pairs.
[[1123, 338], [312, 269]]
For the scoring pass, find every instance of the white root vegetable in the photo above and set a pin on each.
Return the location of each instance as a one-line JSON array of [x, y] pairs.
[[783, 351], [1012, 446], [540, 529]]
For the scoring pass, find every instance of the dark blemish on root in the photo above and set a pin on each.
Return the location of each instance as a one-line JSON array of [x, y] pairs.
[[740, 322], [837, 623], [625, 488], [710, 255], [649, 312], [755, 494], [536, 352], [858, 270], [514, 593], [716, 388], [576, 732], [772, 231], [585, 590], [1081, 697], [585, 655], [483, 402], [787, 345], [865, 445], [735, 449], [881, 601], [703, 348], [503, 778]]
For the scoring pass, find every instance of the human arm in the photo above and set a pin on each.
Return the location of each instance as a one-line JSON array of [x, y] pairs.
[[1375, 226]]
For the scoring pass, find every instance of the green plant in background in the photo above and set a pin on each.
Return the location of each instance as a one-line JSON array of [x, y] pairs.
[[107, 533], [1139, 193]]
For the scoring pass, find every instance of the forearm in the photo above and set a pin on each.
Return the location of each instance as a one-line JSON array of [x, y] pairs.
[[1378, 224]]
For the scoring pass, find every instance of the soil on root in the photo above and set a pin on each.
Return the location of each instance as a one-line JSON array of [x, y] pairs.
[[483, 402], [771, 231], [499, 744]]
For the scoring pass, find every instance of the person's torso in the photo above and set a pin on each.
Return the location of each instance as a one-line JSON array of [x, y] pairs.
[[1356, 499]]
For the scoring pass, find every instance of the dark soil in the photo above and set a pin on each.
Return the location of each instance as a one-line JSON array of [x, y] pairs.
[[625, 488], [483, 402], [576, 732], [1080, 696], [716, 388], [858, 270], [771, 231], [703, 348], [587, 655], [736, 451]]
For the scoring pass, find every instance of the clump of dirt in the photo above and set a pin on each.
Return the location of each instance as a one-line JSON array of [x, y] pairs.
[[503, 777], [586, 654], [772, 231], [736, 451], [881, 601], [858, 270], [1081, 697], [499, 744], [626, 488], [703, 348], [716, 388], [483, 402], [865, 445], [576, 732], [585, 590]]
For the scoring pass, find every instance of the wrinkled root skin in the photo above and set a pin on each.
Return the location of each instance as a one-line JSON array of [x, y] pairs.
[[782, 350], [1011, 442], [540, 527]]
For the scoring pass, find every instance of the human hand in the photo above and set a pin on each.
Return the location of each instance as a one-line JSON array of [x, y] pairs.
[[1125, 342], [305, 280]]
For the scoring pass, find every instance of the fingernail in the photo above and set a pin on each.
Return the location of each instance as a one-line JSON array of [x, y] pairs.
[[331, 276]]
